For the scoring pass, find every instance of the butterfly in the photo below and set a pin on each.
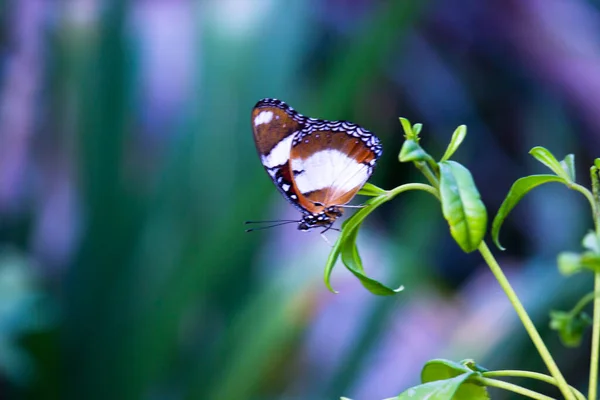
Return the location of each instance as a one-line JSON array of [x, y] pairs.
[[317, 165]]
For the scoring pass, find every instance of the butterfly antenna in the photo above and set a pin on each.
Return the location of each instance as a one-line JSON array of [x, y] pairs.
[[278, 223], [266, 222]]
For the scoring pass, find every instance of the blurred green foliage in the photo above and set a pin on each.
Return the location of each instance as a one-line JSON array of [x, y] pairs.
[[163, 295]]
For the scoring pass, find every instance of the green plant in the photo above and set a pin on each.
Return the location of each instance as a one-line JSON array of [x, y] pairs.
[[462, 207]]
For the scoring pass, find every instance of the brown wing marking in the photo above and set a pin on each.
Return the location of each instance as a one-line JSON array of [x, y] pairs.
[[268, 135]]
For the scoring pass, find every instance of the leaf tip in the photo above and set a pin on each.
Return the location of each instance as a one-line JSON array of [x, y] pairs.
[[498, 245], [407, 127], [417, 129], [330, 288], [399, 289], [535, 149]]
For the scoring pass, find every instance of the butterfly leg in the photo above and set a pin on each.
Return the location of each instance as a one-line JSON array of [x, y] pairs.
[[326, 240], [330, 226]]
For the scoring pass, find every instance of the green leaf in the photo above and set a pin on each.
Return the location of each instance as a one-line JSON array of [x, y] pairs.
[[569, 263], [471, 391], [371, 190], [570, 327], [331, 260], [441, 370], [590, 260], [462, 206], [346, 242], [349, 252], [446, 380], [346, 247], [348, 227], [435, 370], [353, 262], [597, 163], [544, 156], [590, 242], [457, 138], [412, 151], [568, 165], [417, 129], [408, 131], [519, 189], [456, 388]]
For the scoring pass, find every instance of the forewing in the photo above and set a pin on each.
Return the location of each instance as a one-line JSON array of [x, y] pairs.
[[274, 125]]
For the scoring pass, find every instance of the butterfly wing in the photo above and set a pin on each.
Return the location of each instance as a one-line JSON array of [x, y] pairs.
[[331, 161], [274, 125]]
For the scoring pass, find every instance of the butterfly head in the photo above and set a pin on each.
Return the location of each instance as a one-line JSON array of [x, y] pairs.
[[323, 219]]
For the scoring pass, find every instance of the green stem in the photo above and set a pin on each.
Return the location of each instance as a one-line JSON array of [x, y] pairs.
[[513, 388], [593, 390], [595, 342], [428, 172], [591, 198], [595, 196], [412, 186], [531, 375], [512, 296], [582, 303], [527, 323]]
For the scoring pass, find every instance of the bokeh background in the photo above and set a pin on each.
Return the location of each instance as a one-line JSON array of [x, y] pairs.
[[127, 168]]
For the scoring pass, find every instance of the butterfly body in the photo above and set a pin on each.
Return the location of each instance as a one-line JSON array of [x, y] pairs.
[[317, 165]]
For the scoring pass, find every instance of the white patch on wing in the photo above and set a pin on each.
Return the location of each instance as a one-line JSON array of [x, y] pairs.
[[279, 154], [329, 168], [263, 118], [285, 187]]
